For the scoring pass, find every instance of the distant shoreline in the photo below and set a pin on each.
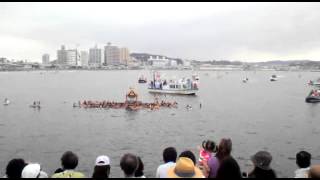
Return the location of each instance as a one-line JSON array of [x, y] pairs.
[[211, 70]]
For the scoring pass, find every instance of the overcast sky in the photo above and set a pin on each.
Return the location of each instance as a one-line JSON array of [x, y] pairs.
[[203, 31]]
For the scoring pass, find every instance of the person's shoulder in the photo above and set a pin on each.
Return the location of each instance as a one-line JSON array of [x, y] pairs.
[[56, 175], [78, 174]]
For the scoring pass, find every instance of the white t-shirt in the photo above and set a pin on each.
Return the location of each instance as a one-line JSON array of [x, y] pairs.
[[162, 171], [302, 173]]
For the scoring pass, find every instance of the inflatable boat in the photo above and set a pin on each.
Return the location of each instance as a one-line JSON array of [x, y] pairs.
[[312, 98]]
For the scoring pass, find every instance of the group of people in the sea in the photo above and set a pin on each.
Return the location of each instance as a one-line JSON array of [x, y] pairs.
[[215, 161], [119, 105]]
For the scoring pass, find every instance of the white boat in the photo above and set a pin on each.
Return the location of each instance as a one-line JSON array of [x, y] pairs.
[[6, 102], [273, 78], [174, 91], [315, 83], [184, 86]]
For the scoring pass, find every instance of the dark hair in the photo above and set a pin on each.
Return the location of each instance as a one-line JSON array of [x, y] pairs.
[[129, 164], [303, 159], [59, 170], [262, 174], [224, 149], [139, 171], [14, 168], [101, 172], [229, 169], [209, 146], [69, 160], [170, 155], [189, 155]]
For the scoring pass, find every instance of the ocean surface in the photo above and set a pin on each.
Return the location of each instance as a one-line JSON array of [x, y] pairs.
[[258, 115]]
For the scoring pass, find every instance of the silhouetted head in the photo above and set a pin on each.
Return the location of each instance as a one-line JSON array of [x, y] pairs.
[[139, 171], [190, 155], [209, 146], [14, 168], [129, 164], [69, 160], [229, 169], [169, 155], [224, 149], [303, 159]]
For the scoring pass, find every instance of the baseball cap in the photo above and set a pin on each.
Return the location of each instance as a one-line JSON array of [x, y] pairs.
[[102, 161]]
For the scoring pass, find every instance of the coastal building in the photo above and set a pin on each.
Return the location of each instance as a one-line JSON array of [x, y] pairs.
[[95, 56], [73, 57], [3, 60], [124, 56], [62, 55], [111, 55], [84, 58], [173, 63], [69, 57], [45, 59], [158, 61]]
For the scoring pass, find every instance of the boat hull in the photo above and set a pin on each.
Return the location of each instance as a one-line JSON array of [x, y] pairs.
[[313, 99], [142, 81], [177, 92]]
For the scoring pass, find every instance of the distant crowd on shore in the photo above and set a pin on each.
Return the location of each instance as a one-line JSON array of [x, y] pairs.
[[215, 161]]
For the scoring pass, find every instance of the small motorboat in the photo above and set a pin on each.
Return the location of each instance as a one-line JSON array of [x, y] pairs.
[[35, 106], [6, 102], [189, 107], [142, 80], [273, 78], [314, 97]]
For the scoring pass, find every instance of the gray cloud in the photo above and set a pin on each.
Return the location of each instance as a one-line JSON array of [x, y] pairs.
[[253, 32]]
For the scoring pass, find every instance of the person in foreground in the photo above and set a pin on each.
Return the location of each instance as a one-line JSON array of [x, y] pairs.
[[129, 164], [169, 158], [14, 168], [224, 151], [261, 161], [139, 172], [101, 168], [185, 168], [303, 160], [314, 172], [33, 171], [229, 169], [69, 162]]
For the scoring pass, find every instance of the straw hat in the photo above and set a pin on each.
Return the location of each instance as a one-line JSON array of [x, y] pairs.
[[185, 168]]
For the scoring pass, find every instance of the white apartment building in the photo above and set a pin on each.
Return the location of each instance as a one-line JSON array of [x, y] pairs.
[[95, 56], [84, 58], [111, 55], [158, 61], [68, 57], [45, 59]]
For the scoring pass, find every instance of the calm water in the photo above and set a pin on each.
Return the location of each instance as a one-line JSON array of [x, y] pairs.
[[259, 115]]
